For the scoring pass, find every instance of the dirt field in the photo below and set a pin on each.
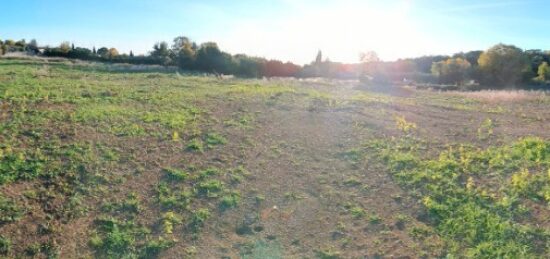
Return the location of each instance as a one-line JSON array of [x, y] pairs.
[[102, 163]]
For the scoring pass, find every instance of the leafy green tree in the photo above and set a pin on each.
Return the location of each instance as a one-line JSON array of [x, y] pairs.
[[20, 44], [211, 59], [248, 66], [544, 72], [10, 46], [32, 46], [103, 52], [453, 70], [80, 53], [537, 57], [503, 65], [161, 52]]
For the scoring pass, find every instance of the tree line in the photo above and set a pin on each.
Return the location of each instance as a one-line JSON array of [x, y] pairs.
[[184, 53], [500, 66]]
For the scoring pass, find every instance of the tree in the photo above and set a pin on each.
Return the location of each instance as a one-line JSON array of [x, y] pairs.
[[131, 54], [112, 53], [103, 52], [65, 47], [368, 57], [32, 46], [161, 52], [453, 70], [20, 44], [181, 42], [247, 66], [544, 72], [80, 53], [370, 66], [184, 50], [319, 57], [503, 65], [9, 43], [424, 64], [210, 58], [470, 56]]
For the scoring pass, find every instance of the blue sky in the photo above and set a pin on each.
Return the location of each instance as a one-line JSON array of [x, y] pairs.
[[285, 29]]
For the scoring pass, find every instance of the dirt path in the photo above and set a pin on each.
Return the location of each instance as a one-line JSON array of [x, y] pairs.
[[306, 188]]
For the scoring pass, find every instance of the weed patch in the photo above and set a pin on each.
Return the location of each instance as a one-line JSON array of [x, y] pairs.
[[472, 218]]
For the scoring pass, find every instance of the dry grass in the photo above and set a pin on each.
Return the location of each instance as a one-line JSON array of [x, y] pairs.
[[503, 95]]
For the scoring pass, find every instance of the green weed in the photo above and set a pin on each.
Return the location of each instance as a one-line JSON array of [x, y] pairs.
[[195, 145], [485, 130], [473, 222], [214, 139], [210, 188], [198, 218], [328, 253], [169, 219], [175, 175], [9, 211], [230, 201], [5, 246], [173, 200]]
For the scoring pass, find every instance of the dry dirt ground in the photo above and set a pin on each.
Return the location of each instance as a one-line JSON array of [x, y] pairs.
[[306, 190]]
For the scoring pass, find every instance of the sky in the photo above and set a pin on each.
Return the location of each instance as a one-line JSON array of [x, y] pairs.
[[284, 29]]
